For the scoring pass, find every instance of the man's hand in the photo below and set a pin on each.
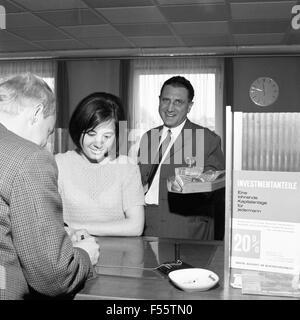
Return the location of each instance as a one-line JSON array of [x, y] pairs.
[[77, 234], [91, 246]]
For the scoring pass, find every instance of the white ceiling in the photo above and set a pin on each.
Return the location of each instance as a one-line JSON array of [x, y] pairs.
[[87, 27]]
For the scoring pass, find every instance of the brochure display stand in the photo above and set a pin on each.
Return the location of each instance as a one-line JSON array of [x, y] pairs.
[[262, 228]]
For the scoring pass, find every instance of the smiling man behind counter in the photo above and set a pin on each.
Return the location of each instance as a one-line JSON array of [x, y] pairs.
[[173, 215], [37, 257]]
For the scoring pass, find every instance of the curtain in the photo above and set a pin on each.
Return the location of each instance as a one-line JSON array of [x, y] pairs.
[[42, 68], [146, 79], [60, 139], [124, 84], [62, 95]]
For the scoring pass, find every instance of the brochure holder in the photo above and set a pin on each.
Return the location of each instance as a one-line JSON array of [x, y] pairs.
[[262, 230]]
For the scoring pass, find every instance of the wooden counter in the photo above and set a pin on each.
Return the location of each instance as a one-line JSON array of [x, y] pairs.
[[126, 270]]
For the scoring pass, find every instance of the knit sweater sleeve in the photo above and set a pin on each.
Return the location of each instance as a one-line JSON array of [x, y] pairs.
[[133, 194]]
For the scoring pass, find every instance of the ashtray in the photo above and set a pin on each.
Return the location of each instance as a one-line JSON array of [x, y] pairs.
[[194, 279]]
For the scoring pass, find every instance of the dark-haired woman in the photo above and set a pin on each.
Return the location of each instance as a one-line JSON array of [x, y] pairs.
[[100, 189]]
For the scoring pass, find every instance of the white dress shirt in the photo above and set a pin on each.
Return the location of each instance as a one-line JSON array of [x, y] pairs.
[[151, 196]]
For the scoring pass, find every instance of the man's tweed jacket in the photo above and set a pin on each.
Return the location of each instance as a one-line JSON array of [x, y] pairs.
[[37, 258]]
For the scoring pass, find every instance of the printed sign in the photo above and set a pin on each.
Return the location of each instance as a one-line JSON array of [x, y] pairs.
[[2, 278], [266, 221]]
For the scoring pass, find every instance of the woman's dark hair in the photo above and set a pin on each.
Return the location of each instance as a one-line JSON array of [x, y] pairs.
[[96, 108]]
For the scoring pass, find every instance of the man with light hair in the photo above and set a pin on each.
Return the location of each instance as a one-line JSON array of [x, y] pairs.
[[37, 257]]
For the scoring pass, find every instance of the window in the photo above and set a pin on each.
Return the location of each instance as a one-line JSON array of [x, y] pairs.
[[44, 69], [204, 85], [147, 78]]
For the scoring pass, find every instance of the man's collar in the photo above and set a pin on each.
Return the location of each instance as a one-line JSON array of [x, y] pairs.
[[175, 130]]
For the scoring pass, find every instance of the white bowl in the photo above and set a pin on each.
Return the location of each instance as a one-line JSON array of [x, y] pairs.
[[194, 279]]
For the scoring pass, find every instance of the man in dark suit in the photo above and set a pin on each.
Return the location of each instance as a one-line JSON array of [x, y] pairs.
[[37, 257], [169, 214]]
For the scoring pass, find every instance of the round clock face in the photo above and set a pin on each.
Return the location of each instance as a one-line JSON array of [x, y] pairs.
[[264, 91]]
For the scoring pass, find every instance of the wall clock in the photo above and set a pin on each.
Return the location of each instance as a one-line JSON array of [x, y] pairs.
[[264, 91]]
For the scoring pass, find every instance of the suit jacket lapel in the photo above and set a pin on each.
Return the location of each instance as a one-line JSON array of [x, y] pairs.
[[153, 143], [155, 135]]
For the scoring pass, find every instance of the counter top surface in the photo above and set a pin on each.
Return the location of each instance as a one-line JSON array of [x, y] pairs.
[[127, 269]]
